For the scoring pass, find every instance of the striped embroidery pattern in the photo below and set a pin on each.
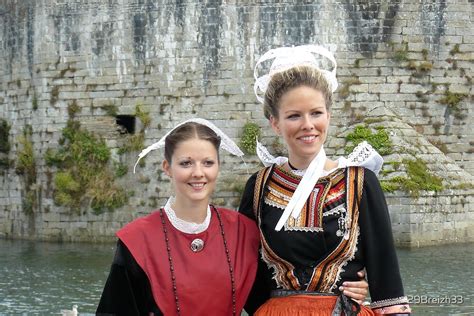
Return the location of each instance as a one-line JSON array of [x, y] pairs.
[[326, 273], [282, 269], [262, 177], [328, 191]]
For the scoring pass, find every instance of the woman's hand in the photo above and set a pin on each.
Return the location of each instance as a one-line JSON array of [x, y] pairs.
[[356, 290]]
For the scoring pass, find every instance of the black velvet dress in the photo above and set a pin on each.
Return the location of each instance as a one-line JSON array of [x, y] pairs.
[[127, 290], [343, 228]]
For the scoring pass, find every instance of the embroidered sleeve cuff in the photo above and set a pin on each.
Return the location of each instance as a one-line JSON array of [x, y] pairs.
[[393, 310], [399, 304]]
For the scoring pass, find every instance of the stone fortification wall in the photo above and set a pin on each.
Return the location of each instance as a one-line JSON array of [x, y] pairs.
[[128, 70]]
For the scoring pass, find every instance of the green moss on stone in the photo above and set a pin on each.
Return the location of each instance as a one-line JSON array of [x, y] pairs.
[[133, 143], [452, 99], [455, 50], [379, 140], [251, 132], [401, 54], [143, 116], [345, 90], [73, 108], [34, 102], [110, 109], [418, 178], [54, 95]]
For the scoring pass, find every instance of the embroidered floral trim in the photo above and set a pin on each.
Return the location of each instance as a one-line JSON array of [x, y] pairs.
[[303, 229], [279, 194], [273, 203], [283, 271], [389, 302], [279, 190]]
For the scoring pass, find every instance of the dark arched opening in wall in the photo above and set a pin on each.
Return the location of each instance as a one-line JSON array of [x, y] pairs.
[[126, 124]]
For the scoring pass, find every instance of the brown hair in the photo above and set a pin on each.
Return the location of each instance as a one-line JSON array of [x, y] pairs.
[[295, 77], [187, 131]]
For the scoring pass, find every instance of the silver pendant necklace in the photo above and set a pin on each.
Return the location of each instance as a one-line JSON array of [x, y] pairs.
[[170, 260], [197, 245]]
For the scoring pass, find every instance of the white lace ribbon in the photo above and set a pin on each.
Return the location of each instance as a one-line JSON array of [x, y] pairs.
[[363, 155], [226, 143], [184, 226], [304, 189]]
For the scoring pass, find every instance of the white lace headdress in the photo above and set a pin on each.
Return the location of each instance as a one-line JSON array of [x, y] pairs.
[[226, 143], [288, 57], [363, 155]]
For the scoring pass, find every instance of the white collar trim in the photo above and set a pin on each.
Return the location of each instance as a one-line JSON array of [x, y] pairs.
[[184, 226]]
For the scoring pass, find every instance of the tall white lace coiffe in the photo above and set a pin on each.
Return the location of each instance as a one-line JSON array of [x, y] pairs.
[[285, 58]]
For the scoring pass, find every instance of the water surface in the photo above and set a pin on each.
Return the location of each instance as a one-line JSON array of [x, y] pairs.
[[39, 278]]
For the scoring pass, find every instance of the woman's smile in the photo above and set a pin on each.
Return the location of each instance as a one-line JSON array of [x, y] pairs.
[[303, 121]]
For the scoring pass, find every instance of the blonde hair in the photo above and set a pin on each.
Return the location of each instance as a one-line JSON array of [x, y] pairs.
[[295, 77]]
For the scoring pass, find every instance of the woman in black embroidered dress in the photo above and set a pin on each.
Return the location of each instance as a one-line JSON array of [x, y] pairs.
[[320, 220]]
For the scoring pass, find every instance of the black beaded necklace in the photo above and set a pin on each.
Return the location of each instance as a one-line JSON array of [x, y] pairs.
[[170, 259], [291, 166], [296, 171]]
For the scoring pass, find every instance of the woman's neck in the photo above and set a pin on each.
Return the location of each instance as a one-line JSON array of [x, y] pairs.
[[298, 162], [302, 163], [193, 212]]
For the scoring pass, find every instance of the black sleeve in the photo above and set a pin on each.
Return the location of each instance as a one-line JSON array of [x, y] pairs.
[[246, 203], [261, 288], [127, 290], [378, 248]]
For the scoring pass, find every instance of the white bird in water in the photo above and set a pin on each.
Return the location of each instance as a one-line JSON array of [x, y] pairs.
[[68, 312]]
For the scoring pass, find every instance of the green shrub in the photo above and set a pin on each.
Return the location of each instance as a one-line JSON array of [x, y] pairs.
[[26, 158], [84, 178], [250, 134], [418, 178]]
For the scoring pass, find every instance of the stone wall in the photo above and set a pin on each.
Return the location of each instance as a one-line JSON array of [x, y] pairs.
[[432, 218], [178, 59]]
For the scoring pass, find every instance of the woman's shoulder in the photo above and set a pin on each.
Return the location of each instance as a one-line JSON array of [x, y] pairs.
[[229, 214], [252, 180], [140, 224], [234, 216]]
